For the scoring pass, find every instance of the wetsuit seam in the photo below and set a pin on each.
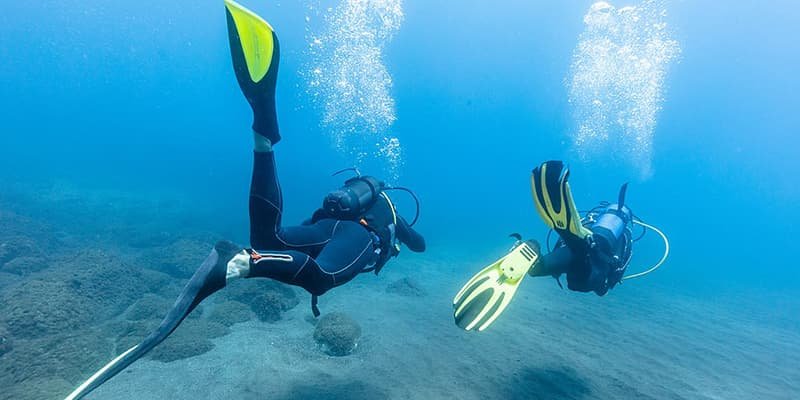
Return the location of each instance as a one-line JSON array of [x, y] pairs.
[[287, 244], [351, 263], [259, 197], [294, 278]]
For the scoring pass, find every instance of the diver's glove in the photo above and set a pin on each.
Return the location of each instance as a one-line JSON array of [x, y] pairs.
[[256, 53]]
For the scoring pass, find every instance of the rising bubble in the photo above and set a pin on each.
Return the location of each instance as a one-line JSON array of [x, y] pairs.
[[348, 80], [616, 82]]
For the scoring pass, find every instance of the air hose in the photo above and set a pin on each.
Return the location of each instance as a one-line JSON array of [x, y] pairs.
[[663, 258]]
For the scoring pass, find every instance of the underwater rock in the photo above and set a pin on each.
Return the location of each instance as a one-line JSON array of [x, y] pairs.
[[87, 286], [267, 298], [174, 349], [37, 308], [7, 279], [189, 340], [16, 246], [179, 259], [5, 341], [149, 306], [110, 284], [406, 287], [230, 312], [268, 306], [36, 389], [129, 333], [24, 265], [337, 333], [68, 356]]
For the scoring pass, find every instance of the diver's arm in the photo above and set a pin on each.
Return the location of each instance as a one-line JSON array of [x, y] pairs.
[[554, 263], [409, 236]]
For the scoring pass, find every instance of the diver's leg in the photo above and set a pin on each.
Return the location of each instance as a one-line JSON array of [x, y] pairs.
[[554, 263], [266, 203], [349, 251], [255, 63]]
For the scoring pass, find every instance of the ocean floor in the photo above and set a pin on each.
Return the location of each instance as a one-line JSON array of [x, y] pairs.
[[648, 340]]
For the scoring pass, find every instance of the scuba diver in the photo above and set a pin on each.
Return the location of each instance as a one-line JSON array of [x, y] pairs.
[[593, 250], [356, 230]]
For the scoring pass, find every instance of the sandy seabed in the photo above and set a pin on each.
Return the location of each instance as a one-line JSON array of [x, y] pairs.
[[640, 342]]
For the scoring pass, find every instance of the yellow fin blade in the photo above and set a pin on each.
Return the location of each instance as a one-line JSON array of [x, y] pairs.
[[256, 38]]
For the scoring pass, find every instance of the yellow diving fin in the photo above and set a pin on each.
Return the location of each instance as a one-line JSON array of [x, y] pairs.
[[253, 42], [256, 55], [553, 199], [488, 293]]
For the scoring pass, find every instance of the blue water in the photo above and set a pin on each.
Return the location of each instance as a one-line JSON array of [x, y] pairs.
[[140, 97]]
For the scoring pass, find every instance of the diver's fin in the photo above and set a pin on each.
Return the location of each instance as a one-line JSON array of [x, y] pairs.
[[553, 199], [488, 293], [255, 53], [209, 278]]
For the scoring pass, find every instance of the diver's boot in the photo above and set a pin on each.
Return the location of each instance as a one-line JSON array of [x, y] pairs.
[[255, 52]]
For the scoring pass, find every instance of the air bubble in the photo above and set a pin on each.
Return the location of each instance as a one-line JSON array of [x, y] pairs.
[[617, 79], [351, 84]]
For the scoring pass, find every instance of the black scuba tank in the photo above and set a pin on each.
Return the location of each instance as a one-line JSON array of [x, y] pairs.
[[354, 198]]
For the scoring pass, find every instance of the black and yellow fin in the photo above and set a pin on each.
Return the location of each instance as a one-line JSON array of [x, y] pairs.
[[255, 52], [553, 199], [253, 42], [484, 297]]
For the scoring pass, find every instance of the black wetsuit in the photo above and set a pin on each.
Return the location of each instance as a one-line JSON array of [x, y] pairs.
[[323, 252], [594, 265], [585, 272]]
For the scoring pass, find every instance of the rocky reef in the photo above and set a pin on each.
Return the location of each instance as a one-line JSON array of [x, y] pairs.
[[268, 299], [77, 289], [337, 334], [230, 312]]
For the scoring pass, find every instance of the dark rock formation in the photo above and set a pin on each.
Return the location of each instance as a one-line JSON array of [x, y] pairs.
[[267, 298], [189, 340], [179, 259], [337, 333], [150, 306], [24, 265], [230, 312], [67, 356]]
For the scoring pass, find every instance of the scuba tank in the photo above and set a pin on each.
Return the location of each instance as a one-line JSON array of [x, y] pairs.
[[611, 240], [354, 198], [358, 194]]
